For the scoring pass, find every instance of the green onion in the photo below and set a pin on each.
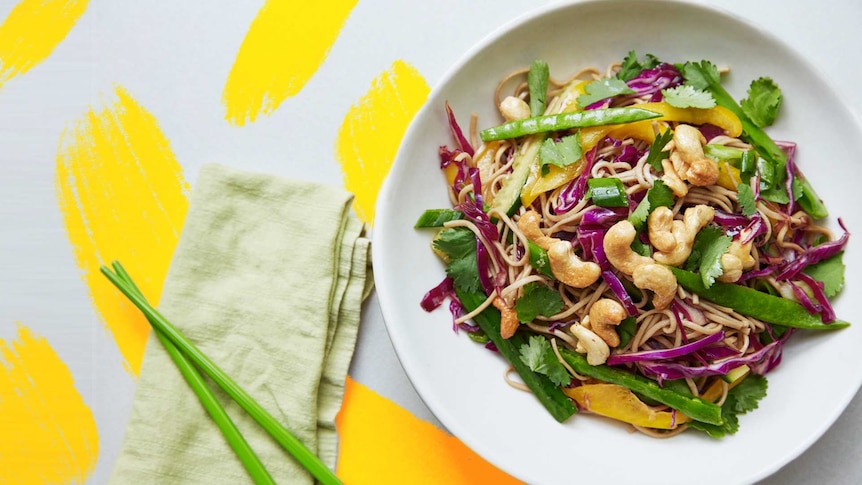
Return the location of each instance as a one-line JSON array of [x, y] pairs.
[[539, 259], [537, 82], [231, 433], [289, 442], [437, 217], [565, 121], [608, 192]]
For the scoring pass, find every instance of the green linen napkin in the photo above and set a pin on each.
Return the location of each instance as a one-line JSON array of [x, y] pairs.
[[267, 280]]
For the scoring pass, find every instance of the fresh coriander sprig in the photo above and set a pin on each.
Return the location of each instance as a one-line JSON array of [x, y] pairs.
[[289, 442]]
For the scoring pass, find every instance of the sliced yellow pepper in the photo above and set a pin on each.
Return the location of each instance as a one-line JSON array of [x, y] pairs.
[[619, 403], [718, 116], [451, 172], [728, 176]]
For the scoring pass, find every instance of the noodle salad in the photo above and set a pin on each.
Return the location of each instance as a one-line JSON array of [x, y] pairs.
[[633, 243]]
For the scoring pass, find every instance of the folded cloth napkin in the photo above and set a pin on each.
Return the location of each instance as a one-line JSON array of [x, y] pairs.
[[267, 280]]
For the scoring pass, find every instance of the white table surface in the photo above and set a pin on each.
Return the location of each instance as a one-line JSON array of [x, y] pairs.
[[171, 56]]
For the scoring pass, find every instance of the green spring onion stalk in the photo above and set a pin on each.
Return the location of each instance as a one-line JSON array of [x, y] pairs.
[[756, 304], [566, 121], [539, 259], [289, 442], [608, 192], [693, 407], [231, 433]]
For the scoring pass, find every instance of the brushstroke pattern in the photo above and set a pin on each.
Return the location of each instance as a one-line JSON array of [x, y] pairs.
[[285, 45], [49, 434], [32, 30], [123, 197], [372, 131], [380, 442]]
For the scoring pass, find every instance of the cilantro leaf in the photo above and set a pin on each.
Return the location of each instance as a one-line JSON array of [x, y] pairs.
[[710, 259], [709, 245], [631, 67], [602, 89], [655, 152], [660, 195], [686, 96], [745, 197], [538, 355], [700, 74], [764, 99], [657, 196], [742, 398], [455, 243], [830, 272], [538, 299], [566, 152], [457, 246]]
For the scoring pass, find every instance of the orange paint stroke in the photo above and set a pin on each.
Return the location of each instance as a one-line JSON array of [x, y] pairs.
[[123, 197], [372, 131], [285, 45], [382, 443], [31, 32], [49, 434]]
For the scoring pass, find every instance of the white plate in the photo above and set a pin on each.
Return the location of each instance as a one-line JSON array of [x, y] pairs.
[[462, 384]]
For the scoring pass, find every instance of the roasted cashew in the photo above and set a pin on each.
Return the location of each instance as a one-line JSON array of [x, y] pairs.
[[605, 314], [683, 233], [588, 342], [672, 179], [528, 223], [658, 278], [508, 318], [570, 269], [660, 225], [688, 159], [617, 246], [737, 259], [513, 108]]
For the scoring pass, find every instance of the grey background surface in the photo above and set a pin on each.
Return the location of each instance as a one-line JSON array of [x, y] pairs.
[[175, 56]]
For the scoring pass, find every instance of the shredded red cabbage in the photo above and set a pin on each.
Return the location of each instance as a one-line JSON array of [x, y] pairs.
[[652, 81], [462, 141], [813, 255], [823, 306], [448, 157], [437, 295], [666, 354], [620, 292], [710, 131], [577, 188], [483, 262]]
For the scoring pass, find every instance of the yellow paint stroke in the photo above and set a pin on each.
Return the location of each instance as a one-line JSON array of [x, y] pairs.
[[283, 48], [380, 442], [31, 32], [372, 130], [49, 434], [123, 197]]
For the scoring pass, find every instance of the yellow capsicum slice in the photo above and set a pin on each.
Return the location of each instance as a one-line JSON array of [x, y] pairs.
[[619, 403]]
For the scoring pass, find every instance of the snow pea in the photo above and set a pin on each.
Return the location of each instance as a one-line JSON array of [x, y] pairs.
[[756, 304], [566, 121]]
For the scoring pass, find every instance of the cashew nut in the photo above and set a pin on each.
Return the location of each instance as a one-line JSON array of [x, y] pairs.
[[658, 278], [508, 318], [566, 266], [682, 232], [672, 179], [688, 158], [570, 269], [588, 342], [529, 225], [605, 314], [514, 108], [737, 259], [617, 246], [660, 224]]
